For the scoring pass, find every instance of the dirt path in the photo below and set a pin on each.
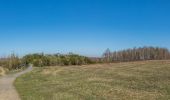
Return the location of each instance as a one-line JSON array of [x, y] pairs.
[[7, 90]]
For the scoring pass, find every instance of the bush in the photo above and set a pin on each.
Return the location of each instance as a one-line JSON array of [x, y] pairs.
[[40, 60], [11, 62]]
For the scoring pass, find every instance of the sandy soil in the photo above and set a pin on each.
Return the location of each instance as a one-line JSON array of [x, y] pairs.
[[2, 71]]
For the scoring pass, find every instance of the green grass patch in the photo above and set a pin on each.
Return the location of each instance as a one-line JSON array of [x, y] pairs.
[[122, 81]]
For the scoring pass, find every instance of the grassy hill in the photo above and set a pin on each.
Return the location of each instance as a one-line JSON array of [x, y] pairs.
[[145, 80]]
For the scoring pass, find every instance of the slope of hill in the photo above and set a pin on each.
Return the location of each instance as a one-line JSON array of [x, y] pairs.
[[146, 80]]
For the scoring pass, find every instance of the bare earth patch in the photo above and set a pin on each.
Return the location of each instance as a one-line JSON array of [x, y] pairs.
[[2, 71]]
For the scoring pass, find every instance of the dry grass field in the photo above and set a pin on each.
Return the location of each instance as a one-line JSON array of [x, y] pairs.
[[145, 80]]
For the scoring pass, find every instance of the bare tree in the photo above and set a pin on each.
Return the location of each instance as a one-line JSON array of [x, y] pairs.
[[137, 54]]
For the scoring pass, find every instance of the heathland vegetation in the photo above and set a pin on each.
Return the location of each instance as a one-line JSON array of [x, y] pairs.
[[142, 80], [41, 59], [11, 62], [94, 78]]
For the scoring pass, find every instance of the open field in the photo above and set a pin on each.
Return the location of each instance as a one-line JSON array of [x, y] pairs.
[[149, 80]]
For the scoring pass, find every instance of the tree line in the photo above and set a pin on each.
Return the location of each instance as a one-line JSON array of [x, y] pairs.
[[137, 54], [40, 59]]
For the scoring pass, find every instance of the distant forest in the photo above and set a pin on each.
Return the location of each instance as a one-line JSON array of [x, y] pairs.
[[137, 54], [41, 59]]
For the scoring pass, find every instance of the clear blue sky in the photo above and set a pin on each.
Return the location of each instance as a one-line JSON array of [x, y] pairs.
[[86, 27]]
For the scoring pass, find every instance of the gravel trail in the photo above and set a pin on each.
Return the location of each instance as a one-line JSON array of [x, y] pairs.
[[7, 90]]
